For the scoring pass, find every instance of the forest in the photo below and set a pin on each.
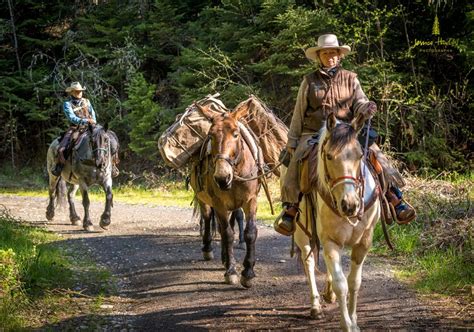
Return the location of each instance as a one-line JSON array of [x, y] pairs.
[[145, 61]]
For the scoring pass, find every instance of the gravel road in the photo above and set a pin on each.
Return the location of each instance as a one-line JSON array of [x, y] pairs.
[[164, 284]]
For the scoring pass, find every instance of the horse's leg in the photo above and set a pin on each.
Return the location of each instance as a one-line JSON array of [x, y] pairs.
[[206, 216], [105, 217], [358, 255], [238, 215], [307, 259], [250, 235], [71, 192], [53, 182], [86, 222], [227, 240], [329, 295], [332, 258]]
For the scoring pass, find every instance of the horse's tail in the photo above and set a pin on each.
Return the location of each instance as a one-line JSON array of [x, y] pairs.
[[60, 193]]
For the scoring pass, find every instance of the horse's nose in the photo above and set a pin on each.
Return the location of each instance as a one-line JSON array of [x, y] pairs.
[[224, 182], [349, 207]]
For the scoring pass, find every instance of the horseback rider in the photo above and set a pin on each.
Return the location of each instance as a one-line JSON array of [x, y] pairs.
[[329, 89], [80, 113]]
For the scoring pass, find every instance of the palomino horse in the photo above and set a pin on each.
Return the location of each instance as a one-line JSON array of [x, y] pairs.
[[90, 163], [219, 190], [347, 210]]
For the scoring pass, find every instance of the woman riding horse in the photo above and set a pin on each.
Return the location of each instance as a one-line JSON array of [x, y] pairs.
[[330, 89], [80, 113]]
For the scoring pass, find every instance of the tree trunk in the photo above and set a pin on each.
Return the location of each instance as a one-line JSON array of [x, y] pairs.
[[15, 40]]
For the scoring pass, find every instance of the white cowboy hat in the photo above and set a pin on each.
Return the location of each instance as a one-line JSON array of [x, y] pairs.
[[326, 41], [75, 86]]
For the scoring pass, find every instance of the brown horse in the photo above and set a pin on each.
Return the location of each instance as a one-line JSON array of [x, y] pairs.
[[219, 189]]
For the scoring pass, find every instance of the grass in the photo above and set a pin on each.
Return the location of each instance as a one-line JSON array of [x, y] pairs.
[[37, 275], [435, 251]]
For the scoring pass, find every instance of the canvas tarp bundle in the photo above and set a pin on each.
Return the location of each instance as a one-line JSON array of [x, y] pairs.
[[184, 138], [271, 132]]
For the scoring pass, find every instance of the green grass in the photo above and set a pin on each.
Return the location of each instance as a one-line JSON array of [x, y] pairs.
[[434, 253], [35, 272]]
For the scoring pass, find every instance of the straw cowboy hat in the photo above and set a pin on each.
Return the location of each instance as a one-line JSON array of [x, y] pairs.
[[75, 86], [326, 41]]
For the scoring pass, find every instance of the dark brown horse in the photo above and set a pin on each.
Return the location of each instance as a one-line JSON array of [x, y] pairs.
[[218, 185]]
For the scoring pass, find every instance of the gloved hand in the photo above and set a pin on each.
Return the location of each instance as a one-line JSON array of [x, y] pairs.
[[369, 110]]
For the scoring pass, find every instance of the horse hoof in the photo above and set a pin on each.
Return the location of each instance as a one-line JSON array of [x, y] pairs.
[[246, 282], [75, 221], [231, 279], [240, 246], [89, 228], [208, 255], [104, 222], [330, 298], [49, 216], [316, 313]]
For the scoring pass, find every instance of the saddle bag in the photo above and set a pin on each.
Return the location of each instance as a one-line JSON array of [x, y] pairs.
[[186, 135]]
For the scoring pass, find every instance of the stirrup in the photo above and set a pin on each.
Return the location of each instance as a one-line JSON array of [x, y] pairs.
[[279, 223], [393, 210]]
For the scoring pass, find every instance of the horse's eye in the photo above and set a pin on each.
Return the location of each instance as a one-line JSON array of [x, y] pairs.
[[329, 157], [235, 134]]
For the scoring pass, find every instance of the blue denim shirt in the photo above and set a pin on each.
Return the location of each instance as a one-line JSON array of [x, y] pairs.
[[71, 116]]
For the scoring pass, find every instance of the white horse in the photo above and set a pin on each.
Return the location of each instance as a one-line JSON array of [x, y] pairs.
[[347, 210]]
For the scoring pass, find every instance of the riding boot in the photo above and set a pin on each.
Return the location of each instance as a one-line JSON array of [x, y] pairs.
[[403, 212], [285, 224]]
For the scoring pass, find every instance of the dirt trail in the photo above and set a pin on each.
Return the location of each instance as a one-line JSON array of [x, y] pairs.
[[164, 284]]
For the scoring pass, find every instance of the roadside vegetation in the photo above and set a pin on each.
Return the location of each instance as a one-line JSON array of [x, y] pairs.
[[435, 252], [42, 281]]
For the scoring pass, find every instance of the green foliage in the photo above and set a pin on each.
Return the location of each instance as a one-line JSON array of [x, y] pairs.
[[35, 272], [188, 49], [146, 118]]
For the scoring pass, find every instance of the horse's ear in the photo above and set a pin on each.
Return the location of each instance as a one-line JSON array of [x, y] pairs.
[[358, 122], [241, 111], [331, 121], [205, 110], [106, 126]]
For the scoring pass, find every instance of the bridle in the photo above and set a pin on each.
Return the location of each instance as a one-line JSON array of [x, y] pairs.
[[358, 184], [98, 150]]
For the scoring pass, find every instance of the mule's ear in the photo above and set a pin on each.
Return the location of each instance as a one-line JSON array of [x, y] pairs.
[[358, 122], [242, 111], [205, 110], [331, 121]]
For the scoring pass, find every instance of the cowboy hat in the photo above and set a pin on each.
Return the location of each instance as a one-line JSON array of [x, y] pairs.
[[75, 86], [326, 41]]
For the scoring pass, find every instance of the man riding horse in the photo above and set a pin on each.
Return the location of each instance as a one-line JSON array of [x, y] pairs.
[[330, 89], [80, 113]]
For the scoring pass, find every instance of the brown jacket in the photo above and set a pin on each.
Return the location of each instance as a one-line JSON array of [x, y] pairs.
[[318, 95]]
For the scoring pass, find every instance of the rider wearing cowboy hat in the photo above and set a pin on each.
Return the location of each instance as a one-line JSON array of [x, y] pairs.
[[329, 89], [79, 112]]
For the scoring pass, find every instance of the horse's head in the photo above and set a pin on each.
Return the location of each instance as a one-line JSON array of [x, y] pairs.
[[226, 144], [340, 164], [101, 146]]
